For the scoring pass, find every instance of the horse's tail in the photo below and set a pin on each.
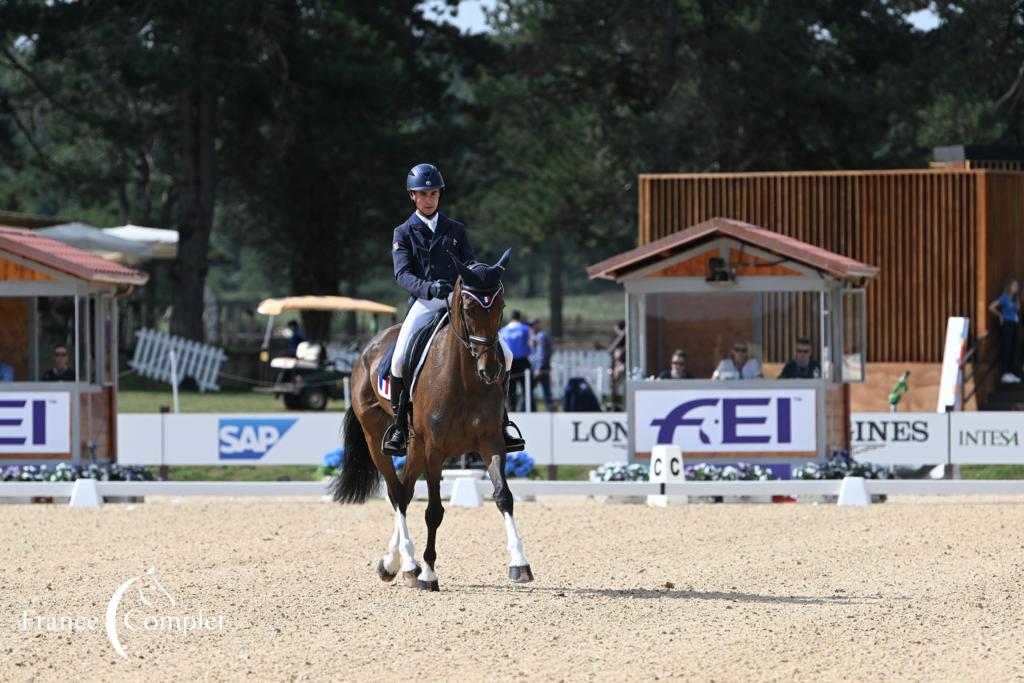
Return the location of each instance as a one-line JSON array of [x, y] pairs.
[[359, 477]]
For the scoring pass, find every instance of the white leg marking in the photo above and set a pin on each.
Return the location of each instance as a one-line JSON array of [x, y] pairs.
[[515, 543], [391, 559], [427, 574], [405, 546]]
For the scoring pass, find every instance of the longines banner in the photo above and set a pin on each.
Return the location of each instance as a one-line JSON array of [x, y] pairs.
[[900, 438], [988, 438]]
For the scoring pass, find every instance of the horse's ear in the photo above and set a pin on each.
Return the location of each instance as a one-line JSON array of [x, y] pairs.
[[460, 266], [503, 261]]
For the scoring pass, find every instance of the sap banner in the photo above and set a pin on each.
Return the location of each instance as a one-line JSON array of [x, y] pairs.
[[264, 439], [989, 438], [36, 422], [900, 438], [717, 420], [216, 439]]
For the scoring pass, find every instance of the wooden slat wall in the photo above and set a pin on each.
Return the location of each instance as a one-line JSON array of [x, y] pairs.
[[920, 227]]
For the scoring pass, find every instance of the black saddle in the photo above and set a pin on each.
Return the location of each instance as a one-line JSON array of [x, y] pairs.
[[417, 346]]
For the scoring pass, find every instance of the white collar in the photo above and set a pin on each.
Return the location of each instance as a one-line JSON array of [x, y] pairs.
[[429, 222]]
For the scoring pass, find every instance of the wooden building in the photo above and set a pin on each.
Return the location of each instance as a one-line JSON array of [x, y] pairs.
[[945, 239], [50, 294]]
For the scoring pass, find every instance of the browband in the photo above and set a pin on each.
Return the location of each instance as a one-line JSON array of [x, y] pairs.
[[485, 299]]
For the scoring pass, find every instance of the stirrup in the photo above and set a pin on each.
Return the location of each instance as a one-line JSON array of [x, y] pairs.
[[513, 444], [388, 448]]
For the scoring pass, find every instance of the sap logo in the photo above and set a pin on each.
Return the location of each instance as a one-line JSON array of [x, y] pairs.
[[250, 439], [730, 420], [30, 422]]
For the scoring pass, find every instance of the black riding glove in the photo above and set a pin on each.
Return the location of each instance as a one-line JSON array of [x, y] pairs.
[[440, 289]]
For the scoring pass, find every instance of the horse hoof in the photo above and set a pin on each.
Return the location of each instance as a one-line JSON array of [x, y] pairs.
[[427, 585], [383, 573], [520, 574], [410, 577]]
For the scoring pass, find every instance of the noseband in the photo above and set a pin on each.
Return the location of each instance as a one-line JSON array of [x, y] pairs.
[[471, 341]]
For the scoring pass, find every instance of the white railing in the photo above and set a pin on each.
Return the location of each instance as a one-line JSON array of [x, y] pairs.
[[593, 366], [153, 359], [87, 490]]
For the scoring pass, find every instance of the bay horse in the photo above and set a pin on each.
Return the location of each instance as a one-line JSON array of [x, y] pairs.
[[457, 407]]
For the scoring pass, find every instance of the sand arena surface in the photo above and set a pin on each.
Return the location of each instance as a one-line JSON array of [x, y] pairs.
[[904, 591]]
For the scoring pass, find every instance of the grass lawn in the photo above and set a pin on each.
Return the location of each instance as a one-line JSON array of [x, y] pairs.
[[992, 471], [150, 400], [244, 473]]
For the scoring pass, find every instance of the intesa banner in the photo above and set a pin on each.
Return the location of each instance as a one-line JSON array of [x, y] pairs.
[[723, 420], [987, 438], [34, 423], [899, 438]]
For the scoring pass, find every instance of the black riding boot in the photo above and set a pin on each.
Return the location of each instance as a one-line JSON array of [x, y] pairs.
[[513, 443], [394, 441]]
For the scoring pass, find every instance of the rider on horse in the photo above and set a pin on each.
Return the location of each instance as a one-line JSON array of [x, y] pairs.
[[423, 267]]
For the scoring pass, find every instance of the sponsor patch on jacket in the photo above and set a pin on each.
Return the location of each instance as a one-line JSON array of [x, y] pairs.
[[396, 246]]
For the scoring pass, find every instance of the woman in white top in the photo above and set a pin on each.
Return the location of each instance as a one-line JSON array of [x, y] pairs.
[[739, 365]]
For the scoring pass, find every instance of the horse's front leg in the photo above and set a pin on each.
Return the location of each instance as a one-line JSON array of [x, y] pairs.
[[518, 566], [413, 467], [434, 515]]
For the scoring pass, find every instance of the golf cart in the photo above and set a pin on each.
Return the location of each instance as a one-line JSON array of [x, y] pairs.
[[315, 373]]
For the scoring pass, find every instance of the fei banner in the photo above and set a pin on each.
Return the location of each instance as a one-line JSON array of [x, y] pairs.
[[723, 420], [35, 423]]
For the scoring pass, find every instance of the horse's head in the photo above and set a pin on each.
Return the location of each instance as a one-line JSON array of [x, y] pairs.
[[477, 304]]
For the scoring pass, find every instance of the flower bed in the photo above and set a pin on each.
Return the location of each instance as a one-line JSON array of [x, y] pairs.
[[70, 472]]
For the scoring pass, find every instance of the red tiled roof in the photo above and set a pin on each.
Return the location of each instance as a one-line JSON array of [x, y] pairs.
[[788, 247], [67, 259]]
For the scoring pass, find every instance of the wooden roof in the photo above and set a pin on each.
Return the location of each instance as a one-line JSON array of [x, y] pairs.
[[75, 262], [277, 306], [795, 250]]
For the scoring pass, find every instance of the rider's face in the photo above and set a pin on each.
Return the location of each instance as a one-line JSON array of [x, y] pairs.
[[426, 201]]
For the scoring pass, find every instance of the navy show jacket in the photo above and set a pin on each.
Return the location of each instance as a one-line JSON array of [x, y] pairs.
[[421, 256]]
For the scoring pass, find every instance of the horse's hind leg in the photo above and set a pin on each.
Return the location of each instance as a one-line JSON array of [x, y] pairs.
[[519, 568]]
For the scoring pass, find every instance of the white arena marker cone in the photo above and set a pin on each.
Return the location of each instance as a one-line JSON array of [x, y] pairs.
[[465, 493], [666, 468], [85, 494], [854, 492]]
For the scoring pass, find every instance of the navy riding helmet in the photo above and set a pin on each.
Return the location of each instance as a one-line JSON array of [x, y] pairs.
[[424, 177]]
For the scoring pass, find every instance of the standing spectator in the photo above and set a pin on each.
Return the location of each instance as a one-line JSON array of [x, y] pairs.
[[517, 336], [739, 365], [295, 337], [1007, 309], [678, 369], [541, 361], [61, 371], [618, 353], [803, 366]]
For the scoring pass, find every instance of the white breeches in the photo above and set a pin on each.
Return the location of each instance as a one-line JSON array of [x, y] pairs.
[[419, 315]]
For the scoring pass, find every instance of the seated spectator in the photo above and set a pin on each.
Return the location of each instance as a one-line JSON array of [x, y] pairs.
[[60, 372], [678, 369], [803, 366], [295, 336], [739, 365]]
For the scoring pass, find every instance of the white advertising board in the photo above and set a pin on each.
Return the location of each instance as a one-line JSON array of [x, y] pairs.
[[899, 438], [588, 438], [987, 438], [724, 420], [263, 439], [35, 423]]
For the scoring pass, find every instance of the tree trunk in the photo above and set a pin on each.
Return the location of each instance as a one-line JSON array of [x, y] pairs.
[[195, 199], [555, 284]]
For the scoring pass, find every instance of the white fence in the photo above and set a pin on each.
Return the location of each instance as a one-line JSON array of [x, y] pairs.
[[153, 359], [91, 493], [593, 366]]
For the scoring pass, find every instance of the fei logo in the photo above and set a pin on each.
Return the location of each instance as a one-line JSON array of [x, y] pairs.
[[727, 420], [250, 439], [34, 423]]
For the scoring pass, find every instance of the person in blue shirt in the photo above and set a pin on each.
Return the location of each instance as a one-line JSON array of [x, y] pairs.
[[516, 335], [1007, 309], [295, 337], [541, 360], [421, 249]]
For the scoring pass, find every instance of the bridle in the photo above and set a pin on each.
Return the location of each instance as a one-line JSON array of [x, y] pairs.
[[471, 341]]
